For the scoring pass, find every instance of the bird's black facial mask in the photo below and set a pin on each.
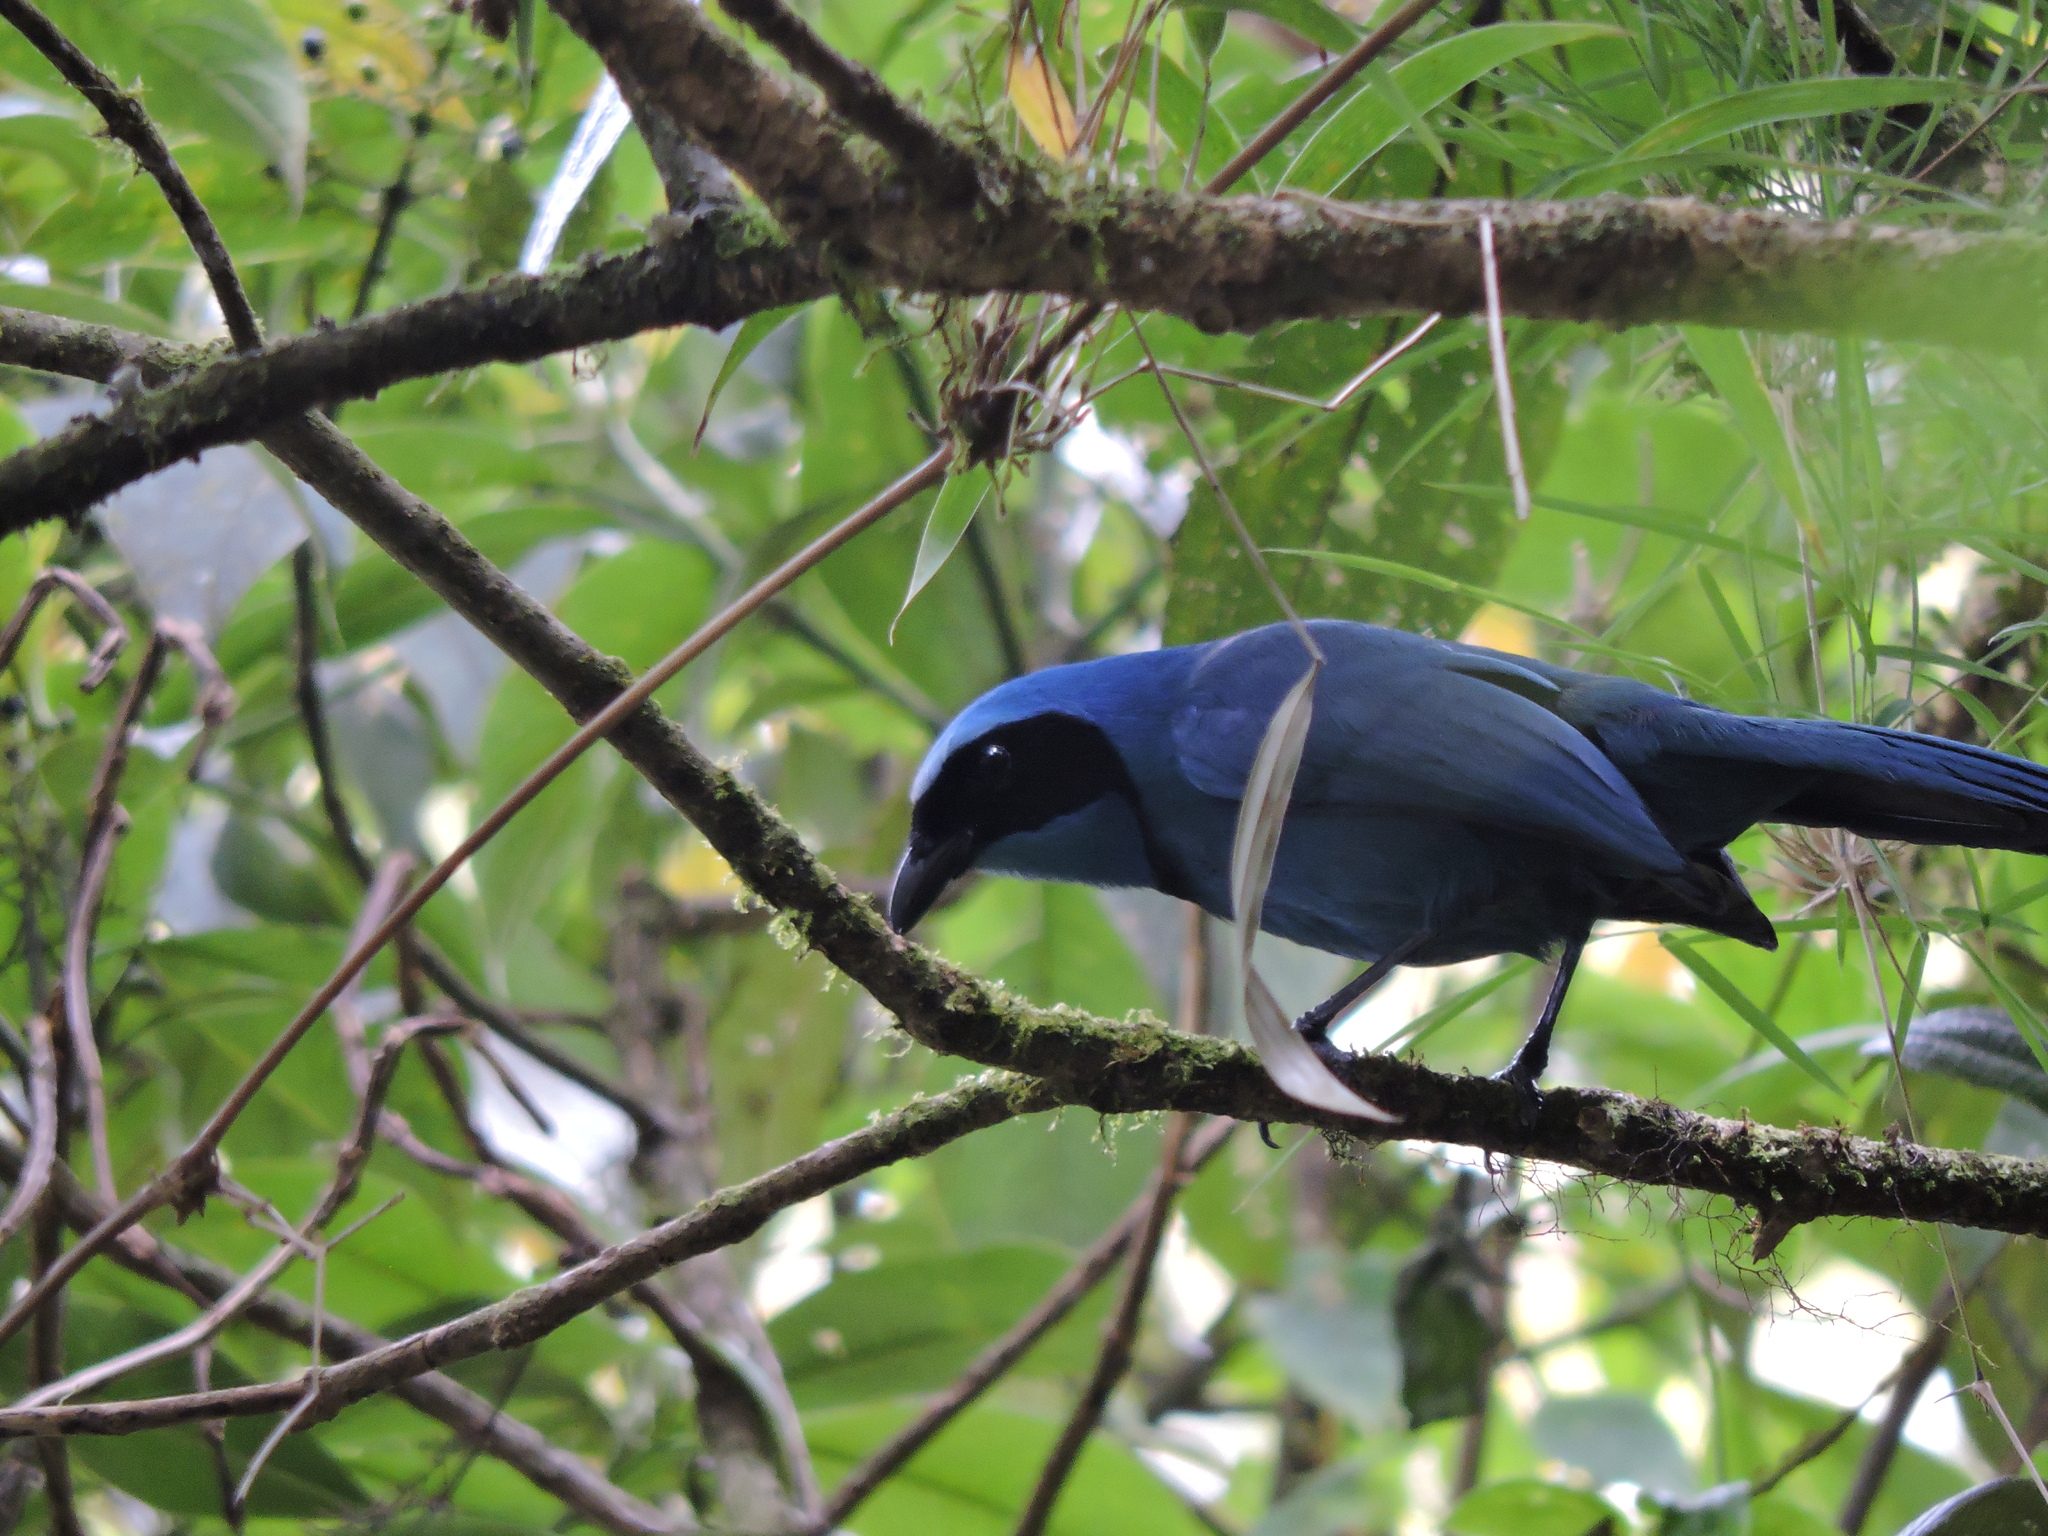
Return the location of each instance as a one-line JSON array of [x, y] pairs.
[[1015, 778]]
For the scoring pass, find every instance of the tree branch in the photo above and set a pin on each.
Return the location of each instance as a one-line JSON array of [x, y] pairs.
[[857, 94], [731, 1216], [1789, 1175], [475, 1419], [1222, 263], [981, 1373]]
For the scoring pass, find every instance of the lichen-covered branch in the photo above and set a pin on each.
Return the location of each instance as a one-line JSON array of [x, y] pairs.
[[1223, 263], [1785, 1175]]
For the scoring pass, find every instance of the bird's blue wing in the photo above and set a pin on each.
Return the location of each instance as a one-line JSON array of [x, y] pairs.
[[1404, 725]]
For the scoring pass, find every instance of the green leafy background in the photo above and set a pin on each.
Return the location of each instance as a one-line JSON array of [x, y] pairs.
[[1783, 524]]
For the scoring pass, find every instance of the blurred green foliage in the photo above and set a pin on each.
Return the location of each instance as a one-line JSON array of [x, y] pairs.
[[1776, 524]]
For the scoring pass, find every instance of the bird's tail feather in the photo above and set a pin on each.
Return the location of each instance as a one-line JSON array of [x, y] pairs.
[[1894, 784]]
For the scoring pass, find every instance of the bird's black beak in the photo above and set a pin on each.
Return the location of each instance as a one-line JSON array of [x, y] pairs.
[[927, 869]]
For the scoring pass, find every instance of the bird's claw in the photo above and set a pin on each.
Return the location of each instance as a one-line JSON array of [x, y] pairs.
[[1528, 1097]]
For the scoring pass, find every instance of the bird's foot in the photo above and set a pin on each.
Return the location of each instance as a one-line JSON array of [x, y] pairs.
[[1314, 1024], [1529, 1098]]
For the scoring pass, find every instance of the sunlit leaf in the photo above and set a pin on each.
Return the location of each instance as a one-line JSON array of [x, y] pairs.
[[1725, 358], [1041, 101], [959, 500]]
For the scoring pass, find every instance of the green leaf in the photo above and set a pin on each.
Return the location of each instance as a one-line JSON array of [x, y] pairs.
[[636, 605], [1318, 23], [1615, 1438], [1372, 119], [976, 1475], [1789, 101], [1529, 1508], [2012, 1506], [1205, 30], [61, 140], [218, 67], [1424, 578], [752, 331], [1725, 358], [1333, 1331], [910, 1326], [958, 502], [1447, 1343], [1718, 983], [1295, 482], [1973, 1045], [77, 304]]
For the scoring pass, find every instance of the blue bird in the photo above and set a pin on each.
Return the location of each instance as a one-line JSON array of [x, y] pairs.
[[1452, 801]]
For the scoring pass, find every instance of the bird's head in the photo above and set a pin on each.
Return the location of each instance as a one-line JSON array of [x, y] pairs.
[[1011, 794]]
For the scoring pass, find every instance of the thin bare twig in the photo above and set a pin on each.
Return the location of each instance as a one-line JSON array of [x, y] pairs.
[[194, 1171], [112, 642], [46, 1360], [1327, 84], [731, 1216], [79, 929], [1252, 551], [1119, 1338], [313, 712], [651, 1122], [215, 704], [2024, 87], [476, 1421], [296, 1242], [41, 1154]]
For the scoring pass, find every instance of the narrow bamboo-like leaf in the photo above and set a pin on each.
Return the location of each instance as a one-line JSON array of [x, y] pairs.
[[1371, 120], [1649, 519], [1260, 818], [959, 499], [1420, 1028], [522, 40], [1725, 615], [1721, 116], [1427, 578], [1318, 23], [1726, 360], [1719, 984], [753, 330]]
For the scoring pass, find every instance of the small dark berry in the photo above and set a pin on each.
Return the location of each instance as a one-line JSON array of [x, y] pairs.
[[314, 44]]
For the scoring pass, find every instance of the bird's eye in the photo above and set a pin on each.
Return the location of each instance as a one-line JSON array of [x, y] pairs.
[[996, 766]]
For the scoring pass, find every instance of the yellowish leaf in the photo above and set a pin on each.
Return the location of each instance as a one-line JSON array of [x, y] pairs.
[[1501, 629], [1041, 101]]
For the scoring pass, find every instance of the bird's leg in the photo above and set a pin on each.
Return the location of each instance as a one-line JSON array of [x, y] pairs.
[[1315, 1024], [1521, 1073]]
